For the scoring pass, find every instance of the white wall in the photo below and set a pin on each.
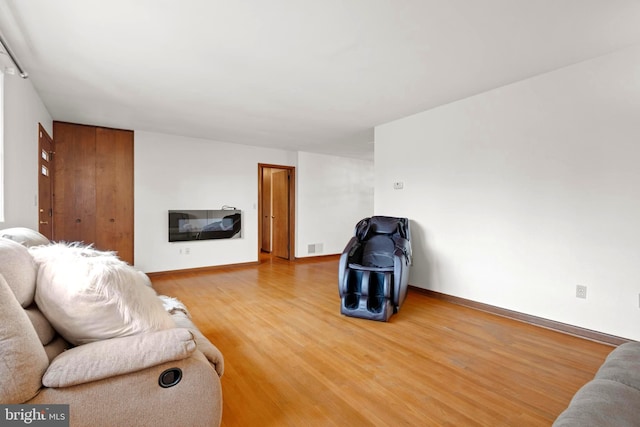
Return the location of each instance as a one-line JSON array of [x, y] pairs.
[[175, 172], [519, 194], [23, 110], [334, 193]]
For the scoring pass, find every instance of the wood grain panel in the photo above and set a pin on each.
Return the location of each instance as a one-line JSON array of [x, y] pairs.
[[114, 189], [291, 359], [93, 198], [280, 212], [74, 183]]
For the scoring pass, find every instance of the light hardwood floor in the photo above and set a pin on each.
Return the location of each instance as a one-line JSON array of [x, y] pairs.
[[291, 358]]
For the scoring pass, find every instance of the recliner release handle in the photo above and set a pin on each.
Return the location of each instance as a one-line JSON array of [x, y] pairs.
[[170, 377]]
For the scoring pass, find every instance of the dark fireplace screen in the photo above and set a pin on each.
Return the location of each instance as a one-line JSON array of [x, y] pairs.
[[205, 225]]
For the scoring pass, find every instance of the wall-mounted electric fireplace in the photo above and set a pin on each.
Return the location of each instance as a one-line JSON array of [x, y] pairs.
[[205, 224]]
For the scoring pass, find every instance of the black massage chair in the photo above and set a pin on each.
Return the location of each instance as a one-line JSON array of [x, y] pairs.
[[374, 268]]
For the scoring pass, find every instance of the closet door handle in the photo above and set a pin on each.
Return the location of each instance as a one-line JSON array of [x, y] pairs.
[[44, 222], [78, 220]]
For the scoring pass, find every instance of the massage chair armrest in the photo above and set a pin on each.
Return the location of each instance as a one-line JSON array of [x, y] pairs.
[[117, 356], [353, 246], [403, 250]]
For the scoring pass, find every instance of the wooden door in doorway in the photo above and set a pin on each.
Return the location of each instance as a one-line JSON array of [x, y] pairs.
[[280, 212], [45, 183], [267, 202], [276, 210]]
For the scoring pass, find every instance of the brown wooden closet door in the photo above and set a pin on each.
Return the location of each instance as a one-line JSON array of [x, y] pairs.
[[93, 187], [74, 202], [114, 191]]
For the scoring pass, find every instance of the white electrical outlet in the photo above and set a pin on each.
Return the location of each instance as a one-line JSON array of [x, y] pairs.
[[399, 185], [315, 248], [581, 291]]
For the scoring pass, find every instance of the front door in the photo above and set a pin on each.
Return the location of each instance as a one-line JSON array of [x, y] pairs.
[[45, 183]]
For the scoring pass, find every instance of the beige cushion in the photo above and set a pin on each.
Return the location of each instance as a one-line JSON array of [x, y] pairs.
[[55, 347], [118, 356], [40, 323], [212, 353], [25, 236], [19, 269], [23, 360], [90, 295]]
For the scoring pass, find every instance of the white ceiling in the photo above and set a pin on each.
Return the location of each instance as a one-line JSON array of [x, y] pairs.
[[310, 75]]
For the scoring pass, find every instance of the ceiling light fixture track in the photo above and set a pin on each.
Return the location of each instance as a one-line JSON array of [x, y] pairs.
[[22, 72]]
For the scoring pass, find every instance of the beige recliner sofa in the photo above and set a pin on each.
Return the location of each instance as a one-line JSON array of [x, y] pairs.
[[168, 377]]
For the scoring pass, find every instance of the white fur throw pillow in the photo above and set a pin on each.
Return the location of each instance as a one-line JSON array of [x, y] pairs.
[[90, 295]]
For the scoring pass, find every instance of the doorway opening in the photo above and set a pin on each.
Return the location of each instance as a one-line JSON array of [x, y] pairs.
[[276, 211]]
